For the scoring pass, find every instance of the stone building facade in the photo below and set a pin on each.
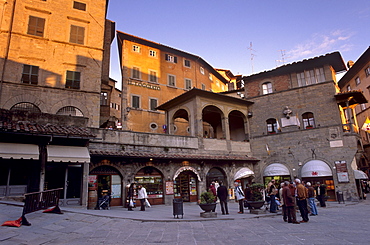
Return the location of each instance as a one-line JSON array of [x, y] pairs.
[[298, 127], [52, 56]]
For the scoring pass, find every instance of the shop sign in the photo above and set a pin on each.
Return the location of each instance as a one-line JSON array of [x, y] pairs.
[[144, 85], [93, 181], [169, 188], [342, 171]]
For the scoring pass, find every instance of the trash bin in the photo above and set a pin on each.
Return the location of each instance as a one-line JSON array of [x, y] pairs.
[[340, 197], [178, 207]]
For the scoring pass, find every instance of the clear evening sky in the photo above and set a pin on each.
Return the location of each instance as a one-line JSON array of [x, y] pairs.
[[246, 36]]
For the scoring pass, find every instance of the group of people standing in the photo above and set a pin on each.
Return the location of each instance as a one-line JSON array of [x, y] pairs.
[[140, 191], [295, 194]]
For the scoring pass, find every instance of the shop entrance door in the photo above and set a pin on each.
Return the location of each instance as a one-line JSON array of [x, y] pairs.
[[111, 183], [186, 186]]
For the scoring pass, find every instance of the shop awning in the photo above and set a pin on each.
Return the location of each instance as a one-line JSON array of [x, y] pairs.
[[360, 174], [243, 173], [59, 153], [276, 169], [316, 168], [19, 151]]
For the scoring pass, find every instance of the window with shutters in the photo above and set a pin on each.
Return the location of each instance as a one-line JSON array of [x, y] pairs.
[[171, 80], [36, 26], [171, 58], [136, 73], [77, 34], [79, 5], [135, 101], [153, 103]]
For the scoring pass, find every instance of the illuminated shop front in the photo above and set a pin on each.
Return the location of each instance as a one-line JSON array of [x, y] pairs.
[[186, 184], [152, 180], [318, 171], [107, 178], [277, 171]]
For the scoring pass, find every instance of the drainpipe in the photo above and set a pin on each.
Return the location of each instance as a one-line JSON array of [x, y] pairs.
[[7, 48]]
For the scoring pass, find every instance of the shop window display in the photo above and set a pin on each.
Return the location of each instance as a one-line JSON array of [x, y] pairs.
[[152, 181]]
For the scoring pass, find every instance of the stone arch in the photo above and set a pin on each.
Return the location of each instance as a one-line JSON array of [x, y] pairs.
[[70, 102], [184, 168], [29, 98], [181, 120], [216, 174], [237, 125], [213, 122], [107, 163]]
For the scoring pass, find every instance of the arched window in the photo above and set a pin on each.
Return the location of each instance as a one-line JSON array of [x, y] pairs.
[[308, 120], [70, 111], [25, 106], [272, 126], [267, 88]]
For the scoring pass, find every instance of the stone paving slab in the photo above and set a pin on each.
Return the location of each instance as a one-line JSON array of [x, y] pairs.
[[336, 224]]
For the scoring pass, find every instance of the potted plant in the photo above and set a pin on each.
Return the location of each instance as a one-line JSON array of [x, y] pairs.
[[207, 201], [256, 200]]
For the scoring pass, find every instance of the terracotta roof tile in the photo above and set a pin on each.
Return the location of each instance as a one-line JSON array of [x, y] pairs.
[[34, 128]]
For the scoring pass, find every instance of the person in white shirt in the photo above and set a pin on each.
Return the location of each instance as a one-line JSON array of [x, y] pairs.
[[141, 195]]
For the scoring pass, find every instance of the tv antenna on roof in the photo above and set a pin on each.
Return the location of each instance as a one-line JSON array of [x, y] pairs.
[[252, 55], [282, 51]]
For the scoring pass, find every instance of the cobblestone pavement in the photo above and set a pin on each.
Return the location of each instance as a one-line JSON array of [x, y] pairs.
[[337, 224]]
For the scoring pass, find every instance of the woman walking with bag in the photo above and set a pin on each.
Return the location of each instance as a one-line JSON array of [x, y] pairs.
[[142, 196]]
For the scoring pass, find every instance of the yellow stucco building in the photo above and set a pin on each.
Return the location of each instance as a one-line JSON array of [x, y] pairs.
[[152, 74]]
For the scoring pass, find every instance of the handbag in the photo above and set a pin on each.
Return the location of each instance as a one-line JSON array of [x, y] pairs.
[[147, 203], [131, 203], [246, 205]]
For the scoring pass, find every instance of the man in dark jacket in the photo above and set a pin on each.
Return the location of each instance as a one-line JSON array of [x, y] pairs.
[[289, 203], [321, 193], [222, 194]]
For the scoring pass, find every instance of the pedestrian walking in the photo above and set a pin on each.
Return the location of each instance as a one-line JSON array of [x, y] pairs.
[[321, 193], [142, 196], [239, 196], [311, 199], [302, 200], [130, 197], [223, 194], [272, 191]]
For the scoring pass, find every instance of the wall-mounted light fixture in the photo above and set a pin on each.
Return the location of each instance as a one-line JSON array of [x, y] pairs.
[[250, 114]]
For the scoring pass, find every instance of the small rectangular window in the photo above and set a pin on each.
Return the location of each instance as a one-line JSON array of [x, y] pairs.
[[103, 98], [30, 74], [136, 48], [363, 106], [73, 79], [367, 71], [348, 88], [152, 53], [357, 80], [187, 63], [136, 73], [171, 58], [202, 70], [171, 80], [203, 86], [153, 76], [36, 26], [77, 34], [187, 84], [79, 5], [135, 101], [210, 77], [153, 104]]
